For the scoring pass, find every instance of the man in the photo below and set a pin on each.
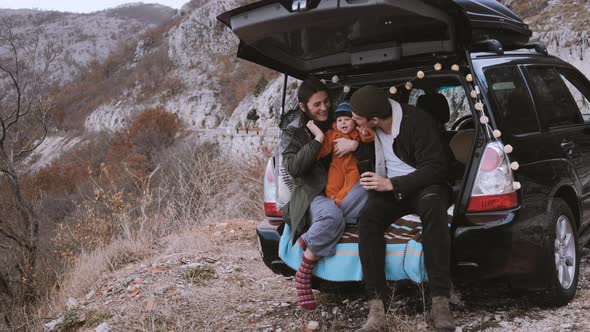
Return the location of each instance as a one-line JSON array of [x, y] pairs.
[[410, 177]]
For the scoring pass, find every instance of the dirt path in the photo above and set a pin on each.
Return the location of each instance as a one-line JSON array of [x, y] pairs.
[[212, 279]]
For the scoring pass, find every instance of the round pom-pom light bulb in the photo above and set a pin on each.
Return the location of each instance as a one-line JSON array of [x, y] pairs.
[[409, 85], [469, 78], [346, 89], [335, 79], [514, 165], [437, 66], [516, 185], [393, 90], [420, 74], [508, 148], [479, 106], [455, 67], [484, 119], [473, 94], [497, 133]]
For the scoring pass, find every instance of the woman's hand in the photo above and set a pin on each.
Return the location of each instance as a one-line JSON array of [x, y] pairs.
[[316, 131], [374, 181], [362, 131], [345, 146]]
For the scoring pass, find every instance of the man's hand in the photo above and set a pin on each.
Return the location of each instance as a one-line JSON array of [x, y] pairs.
[[345, 146], [316, 131], [374, 181]]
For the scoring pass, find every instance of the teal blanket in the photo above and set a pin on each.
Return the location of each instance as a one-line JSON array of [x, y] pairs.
[[403, 256]]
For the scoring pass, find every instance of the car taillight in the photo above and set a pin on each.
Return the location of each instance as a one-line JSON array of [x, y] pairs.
[[270, 210], [270, 192], [493, 188]]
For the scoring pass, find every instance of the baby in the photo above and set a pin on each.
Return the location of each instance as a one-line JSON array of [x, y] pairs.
[[343, 172]]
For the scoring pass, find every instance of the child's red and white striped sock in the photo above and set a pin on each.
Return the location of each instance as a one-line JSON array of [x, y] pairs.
[[305, 296]]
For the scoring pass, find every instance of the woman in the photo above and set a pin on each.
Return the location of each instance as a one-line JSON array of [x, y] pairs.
[[309, 209]]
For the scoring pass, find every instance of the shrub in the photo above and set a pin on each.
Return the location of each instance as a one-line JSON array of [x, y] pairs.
[[152, 130]]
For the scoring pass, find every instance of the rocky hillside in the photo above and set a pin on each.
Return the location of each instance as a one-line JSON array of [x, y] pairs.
[[217, 89], [188, 66], [562, 25], [87, 37]]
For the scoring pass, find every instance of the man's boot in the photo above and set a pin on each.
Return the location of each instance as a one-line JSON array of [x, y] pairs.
[[376, 321], [441, 314]]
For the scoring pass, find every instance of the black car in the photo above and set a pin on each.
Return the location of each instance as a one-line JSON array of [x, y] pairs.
[[516, 119]]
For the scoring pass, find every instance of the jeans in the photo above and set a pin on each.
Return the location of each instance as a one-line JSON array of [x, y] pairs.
[[328, 220], [381, 210]]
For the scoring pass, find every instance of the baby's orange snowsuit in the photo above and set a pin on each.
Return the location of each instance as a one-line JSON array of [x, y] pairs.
[[343, 172]]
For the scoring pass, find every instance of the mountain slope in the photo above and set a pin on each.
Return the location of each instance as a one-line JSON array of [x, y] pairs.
[[87, 37]]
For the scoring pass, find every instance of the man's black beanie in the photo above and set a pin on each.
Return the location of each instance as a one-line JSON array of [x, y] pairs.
[[370, 102]]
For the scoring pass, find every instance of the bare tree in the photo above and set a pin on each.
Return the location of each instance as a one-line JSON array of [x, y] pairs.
[[25, 60]]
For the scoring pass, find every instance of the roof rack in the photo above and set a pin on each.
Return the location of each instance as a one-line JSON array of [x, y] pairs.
[[493, 45], [489, 45], [539, 47]]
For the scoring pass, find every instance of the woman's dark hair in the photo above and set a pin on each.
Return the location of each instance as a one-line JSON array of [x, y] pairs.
[[308, 88]]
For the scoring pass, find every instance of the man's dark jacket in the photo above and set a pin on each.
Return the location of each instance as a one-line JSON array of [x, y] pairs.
[[420, 145]]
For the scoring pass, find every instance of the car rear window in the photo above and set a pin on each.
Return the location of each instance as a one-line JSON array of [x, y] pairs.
[[513, 109]]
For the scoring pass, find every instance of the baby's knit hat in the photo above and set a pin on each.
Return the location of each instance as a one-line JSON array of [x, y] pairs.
[[343, 109]]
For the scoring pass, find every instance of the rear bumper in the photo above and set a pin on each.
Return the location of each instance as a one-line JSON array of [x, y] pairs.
[[269, 235], [517, 248]]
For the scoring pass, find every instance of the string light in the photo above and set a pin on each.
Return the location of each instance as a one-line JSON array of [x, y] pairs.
[[409, 85], [346, 89], [437, 66], [393, 90], [479, 106], [420, 74], [335, 79]]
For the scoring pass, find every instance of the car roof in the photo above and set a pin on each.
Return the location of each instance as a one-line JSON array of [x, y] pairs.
[[485, 59]]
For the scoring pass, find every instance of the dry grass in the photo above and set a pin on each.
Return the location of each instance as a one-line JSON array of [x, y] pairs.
[[195, 186], [88, 268]]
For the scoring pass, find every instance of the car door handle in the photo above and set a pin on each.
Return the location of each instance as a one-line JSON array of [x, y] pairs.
[[568, 145], [568, 148]]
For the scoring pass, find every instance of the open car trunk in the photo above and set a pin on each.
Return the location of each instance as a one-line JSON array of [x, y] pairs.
[[302, 37]]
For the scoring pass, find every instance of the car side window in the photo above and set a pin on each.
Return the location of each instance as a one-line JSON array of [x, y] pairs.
[[552, 97], [414, 94], [579, 89], [513, 111]]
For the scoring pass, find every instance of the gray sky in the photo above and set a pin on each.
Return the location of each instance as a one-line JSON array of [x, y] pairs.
[[80, 6]]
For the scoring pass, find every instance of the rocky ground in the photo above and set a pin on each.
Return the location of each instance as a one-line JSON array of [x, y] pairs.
[[212, 279]]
